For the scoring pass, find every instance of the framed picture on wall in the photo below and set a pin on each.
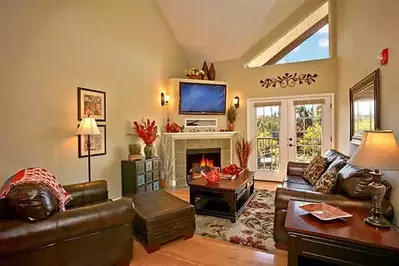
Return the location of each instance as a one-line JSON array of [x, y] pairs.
[[98, 143], [91, 102], [364, 98]]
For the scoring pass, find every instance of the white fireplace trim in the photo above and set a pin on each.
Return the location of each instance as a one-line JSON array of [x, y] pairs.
[[201, 135], [197, 136]]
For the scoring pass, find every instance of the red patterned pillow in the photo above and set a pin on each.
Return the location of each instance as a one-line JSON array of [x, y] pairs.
[[38, 176], [12, 180]]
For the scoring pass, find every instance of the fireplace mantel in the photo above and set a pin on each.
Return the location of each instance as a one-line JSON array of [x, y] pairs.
[[202, 135]]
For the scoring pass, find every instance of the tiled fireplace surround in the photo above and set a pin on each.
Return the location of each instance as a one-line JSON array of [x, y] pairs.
[[180, 146]]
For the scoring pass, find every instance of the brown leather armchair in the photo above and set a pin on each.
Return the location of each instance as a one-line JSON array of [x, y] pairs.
[[92, 231], [351, 190]]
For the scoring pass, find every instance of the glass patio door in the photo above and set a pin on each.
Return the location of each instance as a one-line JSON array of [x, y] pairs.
[[287, 129]]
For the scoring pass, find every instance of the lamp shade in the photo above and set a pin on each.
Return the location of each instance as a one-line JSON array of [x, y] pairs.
[[88, 126], [378, 150]]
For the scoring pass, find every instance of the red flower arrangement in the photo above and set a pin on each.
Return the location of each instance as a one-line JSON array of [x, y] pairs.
[[147, 131], [243, 150]]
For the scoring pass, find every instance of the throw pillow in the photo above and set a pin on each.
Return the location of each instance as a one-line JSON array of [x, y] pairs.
[[326, 182], [315, 169], [11, 181], [338, 163], [43, 177], [31, 202]]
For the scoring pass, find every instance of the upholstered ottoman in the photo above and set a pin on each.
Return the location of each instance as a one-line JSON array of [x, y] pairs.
[[161, 217]]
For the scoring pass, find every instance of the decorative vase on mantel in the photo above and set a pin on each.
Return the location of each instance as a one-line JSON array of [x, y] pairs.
[[206, 70], [212, 72], [149, 151], [230, 126]]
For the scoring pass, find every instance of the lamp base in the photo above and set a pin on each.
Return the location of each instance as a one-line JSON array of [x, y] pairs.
[[377, 192], [378, 222]]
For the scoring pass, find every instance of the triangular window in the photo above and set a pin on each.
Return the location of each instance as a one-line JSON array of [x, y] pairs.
[[308, 40]]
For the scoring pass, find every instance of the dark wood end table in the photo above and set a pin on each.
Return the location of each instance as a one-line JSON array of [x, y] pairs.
[[339, 242], [226, 199]]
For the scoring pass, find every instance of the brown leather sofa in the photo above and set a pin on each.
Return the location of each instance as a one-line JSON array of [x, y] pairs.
[[92, 231], [351, 190]]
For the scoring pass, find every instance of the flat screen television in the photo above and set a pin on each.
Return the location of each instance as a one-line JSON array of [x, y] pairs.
[[200, 98]]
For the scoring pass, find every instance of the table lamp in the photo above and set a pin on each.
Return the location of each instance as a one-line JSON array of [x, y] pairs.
[[378, 151], [87, 128]]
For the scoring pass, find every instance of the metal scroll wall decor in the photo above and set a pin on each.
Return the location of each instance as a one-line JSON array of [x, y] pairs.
[[288, 80]]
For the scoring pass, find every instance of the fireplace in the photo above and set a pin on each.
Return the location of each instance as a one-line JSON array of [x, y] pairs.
[[201, 160]]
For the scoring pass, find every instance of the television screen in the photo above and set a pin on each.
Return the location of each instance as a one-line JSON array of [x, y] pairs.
[[198, 98]]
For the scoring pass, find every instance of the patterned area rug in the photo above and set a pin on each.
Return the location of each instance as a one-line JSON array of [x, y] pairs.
[[254, 228]]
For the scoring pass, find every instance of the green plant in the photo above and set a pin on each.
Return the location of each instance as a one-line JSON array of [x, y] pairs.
[[134, 149], [232, 113]]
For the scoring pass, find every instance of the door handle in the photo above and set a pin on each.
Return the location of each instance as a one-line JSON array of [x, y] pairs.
[[291, 145]]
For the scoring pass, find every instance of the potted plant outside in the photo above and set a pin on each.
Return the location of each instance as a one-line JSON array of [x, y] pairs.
[[148, 132]]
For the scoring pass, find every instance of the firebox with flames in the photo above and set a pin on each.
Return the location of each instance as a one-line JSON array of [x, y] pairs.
[[205, 162], [204, 165]]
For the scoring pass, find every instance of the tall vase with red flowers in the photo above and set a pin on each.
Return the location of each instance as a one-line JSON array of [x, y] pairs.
[[148, 132], [243, 149]]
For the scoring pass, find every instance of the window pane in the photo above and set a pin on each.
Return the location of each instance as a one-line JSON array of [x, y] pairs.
[[267, 139], [309, 131], [314, 48]]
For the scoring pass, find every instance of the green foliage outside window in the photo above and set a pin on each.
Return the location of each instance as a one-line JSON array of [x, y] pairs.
[[309, 136]]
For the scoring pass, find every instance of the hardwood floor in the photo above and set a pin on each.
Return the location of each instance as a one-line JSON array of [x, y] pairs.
[[206, 251]]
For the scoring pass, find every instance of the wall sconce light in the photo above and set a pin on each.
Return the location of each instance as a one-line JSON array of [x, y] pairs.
[[164, 99], [167, 98], [236, 102]]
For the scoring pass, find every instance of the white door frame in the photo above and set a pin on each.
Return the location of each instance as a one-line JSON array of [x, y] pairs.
[[251, 127]]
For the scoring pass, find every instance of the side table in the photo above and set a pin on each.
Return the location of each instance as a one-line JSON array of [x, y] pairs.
[[338, 242]]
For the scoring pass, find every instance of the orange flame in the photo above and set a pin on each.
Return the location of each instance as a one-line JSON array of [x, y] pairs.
[[206, 162]]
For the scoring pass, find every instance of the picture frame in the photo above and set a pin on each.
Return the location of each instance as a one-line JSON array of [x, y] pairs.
[[364, 99], [98, 143], [91, 102]]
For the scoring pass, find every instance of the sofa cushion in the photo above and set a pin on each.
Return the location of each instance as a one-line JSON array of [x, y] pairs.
[[338, 163], [331, 155], [295, 179], [297, 186], [315, 169], [353, 182], [326, 182], [31, 202]]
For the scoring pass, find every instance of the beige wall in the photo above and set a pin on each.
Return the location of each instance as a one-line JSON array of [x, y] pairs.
[[364, 28], [245, 82], [48, 49]]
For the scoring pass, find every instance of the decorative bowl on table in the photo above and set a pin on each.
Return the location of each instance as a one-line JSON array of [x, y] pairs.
[[324, 211], [213, 176], [230, 172]]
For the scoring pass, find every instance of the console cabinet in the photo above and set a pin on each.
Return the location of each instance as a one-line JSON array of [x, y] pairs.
[[140, 176]]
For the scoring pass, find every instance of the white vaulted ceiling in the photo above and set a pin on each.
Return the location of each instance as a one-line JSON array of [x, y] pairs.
[[218, 30]]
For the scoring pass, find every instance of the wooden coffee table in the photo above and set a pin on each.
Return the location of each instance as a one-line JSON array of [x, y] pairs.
[[226, 199], [339, 242]]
